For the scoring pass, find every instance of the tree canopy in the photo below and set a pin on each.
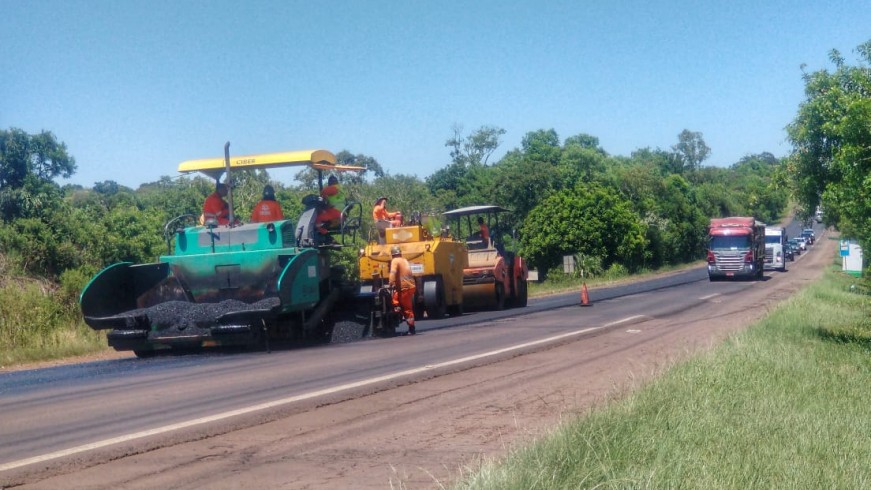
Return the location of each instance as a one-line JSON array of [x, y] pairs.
[[831, 135]]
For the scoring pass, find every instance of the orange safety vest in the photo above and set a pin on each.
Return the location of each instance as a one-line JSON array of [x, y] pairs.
[[333, 195], [379, 212], [400, 274], [266, 210]]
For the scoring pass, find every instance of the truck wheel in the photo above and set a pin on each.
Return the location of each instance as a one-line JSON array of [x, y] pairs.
[[434, 298]]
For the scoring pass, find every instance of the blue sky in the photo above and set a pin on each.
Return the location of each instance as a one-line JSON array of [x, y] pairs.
[[135, 87]]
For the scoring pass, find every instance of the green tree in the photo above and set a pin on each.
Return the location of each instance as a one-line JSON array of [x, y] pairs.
[[689, 152], [28, 163], [371, 165], [40, 155], [584, 140], [591, 220], [831, 137], [466, 180], [476, 148], [542, 146]]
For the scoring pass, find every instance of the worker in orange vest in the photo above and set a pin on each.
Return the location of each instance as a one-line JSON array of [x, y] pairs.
[[384, 219], [268, 208], [215, 207], [402, 280], [381, 214], [334, 199]]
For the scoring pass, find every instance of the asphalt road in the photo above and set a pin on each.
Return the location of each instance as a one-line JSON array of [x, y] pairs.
[[54, 415]]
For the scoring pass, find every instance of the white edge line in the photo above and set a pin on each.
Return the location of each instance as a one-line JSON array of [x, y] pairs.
[[292, 399]]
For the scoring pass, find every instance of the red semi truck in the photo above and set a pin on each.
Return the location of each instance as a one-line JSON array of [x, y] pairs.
[[736, 248]]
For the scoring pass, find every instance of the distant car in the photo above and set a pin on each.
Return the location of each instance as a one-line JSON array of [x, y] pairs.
[[794, 245], [789, 252], [802, 243], [808, 234]]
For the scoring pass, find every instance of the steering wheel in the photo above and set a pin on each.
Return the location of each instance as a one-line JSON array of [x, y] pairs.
[[174, 226], [352, 220]]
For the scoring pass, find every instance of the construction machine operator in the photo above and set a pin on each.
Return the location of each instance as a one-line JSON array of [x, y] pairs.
[[215, 207], [484, 230], [268, 209], [334, 200], [384, 219]]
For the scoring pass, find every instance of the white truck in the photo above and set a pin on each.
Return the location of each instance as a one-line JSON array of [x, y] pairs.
[[775, 243]]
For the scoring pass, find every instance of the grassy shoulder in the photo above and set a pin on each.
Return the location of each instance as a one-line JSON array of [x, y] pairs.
[[783, 404], [41, 321]]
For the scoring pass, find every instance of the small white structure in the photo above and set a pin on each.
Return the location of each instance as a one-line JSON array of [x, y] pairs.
[[569, 264], [851, 258]]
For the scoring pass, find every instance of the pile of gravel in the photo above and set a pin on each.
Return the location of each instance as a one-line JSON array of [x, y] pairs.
[[347, 331], [183, 313]]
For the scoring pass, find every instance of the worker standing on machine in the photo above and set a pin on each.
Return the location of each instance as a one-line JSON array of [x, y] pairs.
[[403, 284]]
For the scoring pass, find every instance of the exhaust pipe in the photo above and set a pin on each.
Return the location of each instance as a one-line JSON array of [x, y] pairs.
[[229, 181]]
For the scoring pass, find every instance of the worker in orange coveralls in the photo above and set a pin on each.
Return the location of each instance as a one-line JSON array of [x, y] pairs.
[[384, 219], [268, 208], [216, 207], [334, 199], [381, 214], [402, 281]]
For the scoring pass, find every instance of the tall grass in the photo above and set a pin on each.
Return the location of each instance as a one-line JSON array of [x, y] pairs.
[[784, 404], [40, 320]]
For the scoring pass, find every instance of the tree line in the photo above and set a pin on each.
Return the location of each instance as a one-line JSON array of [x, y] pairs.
[[566, 196]]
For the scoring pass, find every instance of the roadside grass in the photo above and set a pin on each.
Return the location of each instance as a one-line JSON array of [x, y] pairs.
[[39, 322], [783, 404]]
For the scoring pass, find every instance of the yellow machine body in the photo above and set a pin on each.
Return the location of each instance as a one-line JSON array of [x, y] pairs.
[[437, 263]]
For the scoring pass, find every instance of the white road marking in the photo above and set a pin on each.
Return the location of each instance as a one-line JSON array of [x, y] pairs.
[[623, 320], [293, 399], [705, 298]]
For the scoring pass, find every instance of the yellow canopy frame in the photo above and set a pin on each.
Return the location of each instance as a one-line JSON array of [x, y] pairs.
[[316, 159]]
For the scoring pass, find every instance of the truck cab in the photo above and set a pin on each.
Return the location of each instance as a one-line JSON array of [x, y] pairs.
[[775, 249], [736, 248]]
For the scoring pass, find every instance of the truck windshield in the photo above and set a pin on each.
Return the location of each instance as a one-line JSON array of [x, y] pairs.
[[730, 242], [772, 239]]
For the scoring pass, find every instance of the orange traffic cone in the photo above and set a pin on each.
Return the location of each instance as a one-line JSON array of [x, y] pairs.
[[585, 297]]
